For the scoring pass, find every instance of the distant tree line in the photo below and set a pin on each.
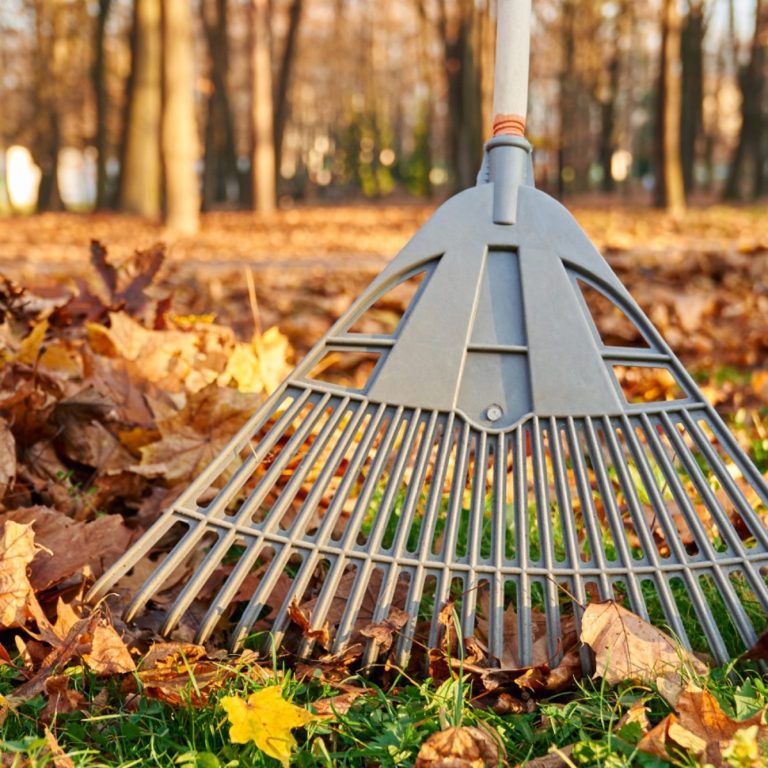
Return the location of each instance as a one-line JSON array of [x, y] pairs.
[[196, 104]]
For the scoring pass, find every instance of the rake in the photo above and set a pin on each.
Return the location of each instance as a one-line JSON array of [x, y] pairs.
[[492, 452]]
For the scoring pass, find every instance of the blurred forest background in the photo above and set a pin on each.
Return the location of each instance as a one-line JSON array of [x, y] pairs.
[[164, 108]]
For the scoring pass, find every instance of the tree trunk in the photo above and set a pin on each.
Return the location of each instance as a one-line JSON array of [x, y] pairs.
[[752, 82], [692, 117], [608, 105], [566, 93], [47, 134], [220, 172], [284, 77], [98, 75], [179, 129], [462, 71], [670, 189], [140, 179], [263, 162]]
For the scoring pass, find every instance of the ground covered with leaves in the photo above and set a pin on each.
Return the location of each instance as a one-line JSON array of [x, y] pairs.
[[124, 371]]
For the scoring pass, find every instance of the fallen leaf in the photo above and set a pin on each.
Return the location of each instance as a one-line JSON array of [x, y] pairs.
[[108, 655], [59, 756], [701, 727], [192, 437], [61, 698], [69, 547], [382, 633], [7, 457], [628, 648], [340, 704], [266, 718], [555, 758], [17, 550], [298, 616], [460, 747]]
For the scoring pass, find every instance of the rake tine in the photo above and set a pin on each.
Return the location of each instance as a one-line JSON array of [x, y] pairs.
[[426, 535], [614, 519], [714, 638], [735, 493], [497, 556], [217, 553], [269, 524]]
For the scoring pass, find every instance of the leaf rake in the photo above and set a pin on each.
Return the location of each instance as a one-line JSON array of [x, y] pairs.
[[491, 454]]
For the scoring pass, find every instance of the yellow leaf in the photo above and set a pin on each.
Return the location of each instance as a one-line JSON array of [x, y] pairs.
[[266, 719], [17, 549], [30, 347]]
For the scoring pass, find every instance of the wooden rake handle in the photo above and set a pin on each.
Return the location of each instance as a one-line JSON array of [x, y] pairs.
[[513, 50]]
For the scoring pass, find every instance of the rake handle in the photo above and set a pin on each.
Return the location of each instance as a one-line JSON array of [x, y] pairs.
[[513, 50]]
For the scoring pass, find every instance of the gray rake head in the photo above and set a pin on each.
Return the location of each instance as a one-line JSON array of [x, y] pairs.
[[491, 456]]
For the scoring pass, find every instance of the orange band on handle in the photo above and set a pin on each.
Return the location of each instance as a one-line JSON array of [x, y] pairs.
[[509, 125]]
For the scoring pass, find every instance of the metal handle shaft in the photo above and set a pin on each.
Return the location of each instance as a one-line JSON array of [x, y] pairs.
[[513, 49]]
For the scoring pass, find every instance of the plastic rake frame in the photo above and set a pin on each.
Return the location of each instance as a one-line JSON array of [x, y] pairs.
[[491, 455]]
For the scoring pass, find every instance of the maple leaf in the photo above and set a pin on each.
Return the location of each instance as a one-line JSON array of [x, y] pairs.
[[266, 718]]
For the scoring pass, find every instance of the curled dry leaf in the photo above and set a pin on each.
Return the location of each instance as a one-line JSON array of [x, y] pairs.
[[382, 633], [702, 728], [298, 616], [628, 648], [461, 747]]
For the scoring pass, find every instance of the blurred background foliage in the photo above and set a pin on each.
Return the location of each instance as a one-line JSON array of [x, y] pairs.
[[168, 107]]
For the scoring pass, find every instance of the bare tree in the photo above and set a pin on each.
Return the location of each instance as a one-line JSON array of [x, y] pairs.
[[179, 131], [263, 162], [285, 72], [752, 83], [670, 189], [140, 180], [98, 75], [220, 166]]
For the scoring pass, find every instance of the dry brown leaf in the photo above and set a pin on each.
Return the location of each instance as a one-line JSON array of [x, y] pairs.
[[297, 615], [17, 550], [58, 755], [460, 747], [61, 698], [69, 547], [7, 457], [192, 437], [340, 704], [628, 648], [383, 632], [109, 655], [556, 758], [701, 728], [178, 672]]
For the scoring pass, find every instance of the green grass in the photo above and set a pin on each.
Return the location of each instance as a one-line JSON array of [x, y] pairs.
[[383, 728]]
